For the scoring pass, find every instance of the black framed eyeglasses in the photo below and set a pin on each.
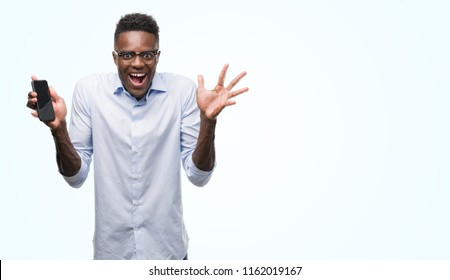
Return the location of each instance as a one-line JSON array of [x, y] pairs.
[[146, 57]]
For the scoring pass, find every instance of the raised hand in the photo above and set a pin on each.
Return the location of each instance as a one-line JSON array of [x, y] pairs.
[[59, 106], [212, 102]]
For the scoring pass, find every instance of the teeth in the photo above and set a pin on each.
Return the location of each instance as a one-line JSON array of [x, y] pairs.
[[137, 74]]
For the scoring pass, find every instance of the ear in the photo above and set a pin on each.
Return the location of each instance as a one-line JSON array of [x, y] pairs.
[[157, 57], [114, 57]]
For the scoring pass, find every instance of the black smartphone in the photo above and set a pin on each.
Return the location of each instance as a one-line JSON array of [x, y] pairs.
[[44, 104]]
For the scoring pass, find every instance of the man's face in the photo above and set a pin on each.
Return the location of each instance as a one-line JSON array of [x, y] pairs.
[[137, 73]]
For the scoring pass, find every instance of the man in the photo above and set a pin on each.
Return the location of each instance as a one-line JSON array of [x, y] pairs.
[[139, 124]]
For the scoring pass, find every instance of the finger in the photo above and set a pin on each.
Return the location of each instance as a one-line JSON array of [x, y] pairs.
[[222, 76], [53, 93], [237, 92], [230, 103], [201, 82], [31, 103], [32, 100], [32, 94], [236, 80], [35, 114]]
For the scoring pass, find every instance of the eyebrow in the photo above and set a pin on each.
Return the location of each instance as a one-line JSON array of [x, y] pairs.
[[128, 51]]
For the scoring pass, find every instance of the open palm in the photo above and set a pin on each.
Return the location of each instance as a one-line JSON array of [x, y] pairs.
[[212, 102]]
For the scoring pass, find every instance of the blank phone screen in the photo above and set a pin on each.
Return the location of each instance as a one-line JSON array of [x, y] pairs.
[[41, 88]]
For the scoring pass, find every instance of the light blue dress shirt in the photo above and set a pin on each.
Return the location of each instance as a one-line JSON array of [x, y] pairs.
[[138, 149]]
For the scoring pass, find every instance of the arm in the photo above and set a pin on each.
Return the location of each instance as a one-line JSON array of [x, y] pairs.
[[211, 103], [67, 159], [204, 155]]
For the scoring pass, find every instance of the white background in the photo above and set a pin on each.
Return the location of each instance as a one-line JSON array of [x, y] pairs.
[[339, 151]]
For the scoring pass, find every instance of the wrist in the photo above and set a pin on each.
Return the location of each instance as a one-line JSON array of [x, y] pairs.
[[61, 128], [207, 120]]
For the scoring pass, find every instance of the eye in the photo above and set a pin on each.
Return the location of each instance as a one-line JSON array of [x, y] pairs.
[[147, 55], [127, 55]]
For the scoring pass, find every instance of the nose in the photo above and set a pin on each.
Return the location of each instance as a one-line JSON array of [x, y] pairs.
[[137, 61]]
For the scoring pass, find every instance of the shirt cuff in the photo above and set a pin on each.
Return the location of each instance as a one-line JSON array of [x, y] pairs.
[[196, 176], [78, 179]]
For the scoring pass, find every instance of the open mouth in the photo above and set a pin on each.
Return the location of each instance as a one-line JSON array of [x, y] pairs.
[[137, 78]]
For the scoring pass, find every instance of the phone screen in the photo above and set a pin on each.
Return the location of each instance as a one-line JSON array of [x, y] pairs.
[[41, 88], [44, 106]]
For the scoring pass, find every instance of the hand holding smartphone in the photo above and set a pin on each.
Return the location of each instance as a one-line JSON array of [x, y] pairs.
[[44, 104]]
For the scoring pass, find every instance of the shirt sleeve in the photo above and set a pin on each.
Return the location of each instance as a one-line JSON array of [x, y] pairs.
[[80, 132], [190, 126]]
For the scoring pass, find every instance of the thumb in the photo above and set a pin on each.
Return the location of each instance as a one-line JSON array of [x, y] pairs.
[[53, 93]]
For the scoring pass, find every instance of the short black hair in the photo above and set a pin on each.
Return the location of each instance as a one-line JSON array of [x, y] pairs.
[[137, 22]]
